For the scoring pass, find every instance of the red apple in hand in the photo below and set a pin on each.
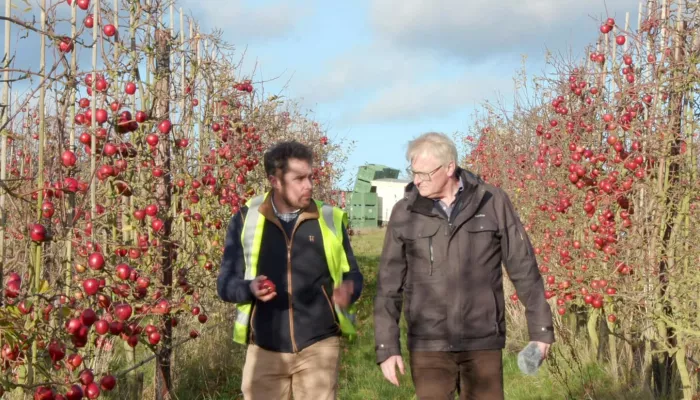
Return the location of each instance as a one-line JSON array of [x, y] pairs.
[[267, 286], [262, 288]]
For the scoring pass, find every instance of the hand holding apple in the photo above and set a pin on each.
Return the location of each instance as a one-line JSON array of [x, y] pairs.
[[262, 288], [343, 293]]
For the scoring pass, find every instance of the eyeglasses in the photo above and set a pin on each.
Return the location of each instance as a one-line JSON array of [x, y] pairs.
[[422, 176]]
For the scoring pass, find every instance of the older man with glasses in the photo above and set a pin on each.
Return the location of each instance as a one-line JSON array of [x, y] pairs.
[[442, 256]]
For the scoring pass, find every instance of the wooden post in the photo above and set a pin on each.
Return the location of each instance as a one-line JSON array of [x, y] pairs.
[[163, 376], [70, 209], [3, 141]]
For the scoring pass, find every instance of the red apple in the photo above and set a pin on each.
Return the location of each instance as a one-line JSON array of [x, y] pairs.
[[109, 30], [73, 326], [65, 46], [141, 117], [122, 311], [37, 233], [86, 376], [47, 209], [96, 261], [57, 351], [108, 382], [152, 139], [164, 126], [68, 158], [101, 116], [74, 393], [101, 327], [123, 271], [157, 224], [268, 286], [151, 210], [44, 393], [91, 286], [154, 338], [88, 317]]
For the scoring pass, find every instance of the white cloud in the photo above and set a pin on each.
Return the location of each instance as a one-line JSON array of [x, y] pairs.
[[365, 69], [476, 29], [269, 20], [408, 100]]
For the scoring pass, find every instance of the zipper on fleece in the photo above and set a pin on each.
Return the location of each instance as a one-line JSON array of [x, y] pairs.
[[289, 292], [430, 248], [289, 278], [330, 304]]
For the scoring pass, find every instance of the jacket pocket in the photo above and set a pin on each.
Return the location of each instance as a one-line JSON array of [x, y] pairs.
[[422, 252], [480, 315], [427, 312], [482, 240], [481, 228], [330, 305]]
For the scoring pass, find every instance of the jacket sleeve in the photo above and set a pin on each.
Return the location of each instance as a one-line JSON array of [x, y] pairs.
[[521, 265], [354, 274], [231, 285], [388, 300]]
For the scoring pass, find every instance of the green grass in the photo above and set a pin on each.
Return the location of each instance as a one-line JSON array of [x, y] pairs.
[[210, 368]]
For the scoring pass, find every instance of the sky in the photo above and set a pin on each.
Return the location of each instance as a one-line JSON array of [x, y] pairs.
[[381, 72]]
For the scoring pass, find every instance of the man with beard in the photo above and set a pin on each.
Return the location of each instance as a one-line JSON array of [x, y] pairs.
[[289, 267]]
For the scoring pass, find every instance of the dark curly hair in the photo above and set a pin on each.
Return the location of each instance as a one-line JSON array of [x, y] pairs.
[[277, 157]]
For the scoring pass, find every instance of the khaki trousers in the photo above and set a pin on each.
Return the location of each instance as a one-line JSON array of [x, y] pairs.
[[310, 374]]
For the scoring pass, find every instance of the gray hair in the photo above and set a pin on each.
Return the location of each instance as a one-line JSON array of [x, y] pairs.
[[435, 144]]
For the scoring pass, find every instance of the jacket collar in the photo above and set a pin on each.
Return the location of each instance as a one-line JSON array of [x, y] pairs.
[[468, 200], [267, 210]]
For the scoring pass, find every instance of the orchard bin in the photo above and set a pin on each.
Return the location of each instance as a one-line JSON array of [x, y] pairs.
[[363, 205]]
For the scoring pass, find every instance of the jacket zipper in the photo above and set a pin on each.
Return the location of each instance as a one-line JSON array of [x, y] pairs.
[[430, 242], [289, 292], [289, 279], [330, 304]]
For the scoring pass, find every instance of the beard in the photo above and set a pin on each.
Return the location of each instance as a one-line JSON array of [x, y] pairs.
[[296, 203]]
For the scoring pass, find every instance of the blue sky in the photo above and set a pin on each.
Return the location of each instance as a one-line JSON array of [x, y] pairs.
[[381, 72]]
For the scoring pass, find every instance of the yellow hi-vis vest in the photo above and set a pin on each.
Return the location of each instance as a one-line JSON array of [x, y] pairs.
[[331, 221]]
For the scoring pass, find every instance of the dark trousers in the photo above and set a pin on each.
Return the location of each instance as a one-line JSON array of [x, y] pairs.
[[475, 375]]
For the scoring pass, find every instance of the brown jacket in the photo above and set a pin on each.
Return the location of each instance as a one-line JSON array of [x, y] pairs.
[[447, 275]]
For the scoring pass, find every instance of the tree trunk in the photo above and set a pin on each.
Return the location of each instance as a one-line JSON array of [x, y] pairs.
[[163, 377]]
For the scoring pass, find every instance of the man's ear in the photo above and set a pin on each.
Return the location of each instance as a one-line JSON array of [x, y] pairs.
[[451, 168], [275, 182]]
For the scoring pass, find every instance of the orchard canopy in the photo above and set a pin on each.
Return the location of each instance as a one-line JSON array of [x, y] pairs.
[[133, 140]]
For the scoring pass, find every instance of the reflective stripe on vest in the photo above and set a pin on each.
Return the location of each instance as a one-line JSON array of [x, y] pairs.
[[331, 222]]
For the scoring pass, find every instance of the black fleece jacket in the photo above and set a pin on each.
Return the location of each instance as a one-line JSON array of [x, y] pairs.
[[302, 313]]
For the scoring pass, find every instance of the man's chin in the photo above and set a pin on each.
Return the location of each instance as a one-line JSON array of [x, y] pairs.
[[426, 193], [304, 202]]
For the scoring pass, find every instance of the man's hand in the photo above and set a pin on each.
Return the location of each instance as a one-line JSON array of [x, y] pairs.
[[343, 293], [259, 293], [544, 348], [389, 369]]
